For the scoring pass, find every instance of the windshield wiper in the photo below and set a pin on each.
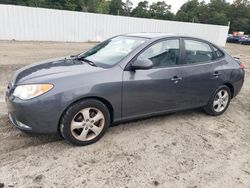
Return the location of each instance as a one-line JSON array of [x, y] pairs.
[[86, 61]]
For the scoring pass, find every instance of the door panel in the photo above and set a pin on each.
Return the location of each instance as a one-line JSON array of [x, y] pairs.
[[154, 90], [200, 73], [198, 84], [149, 91]]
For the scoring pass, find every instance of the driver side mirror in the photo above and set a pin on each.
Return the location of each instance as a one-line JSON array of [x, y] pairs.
[[141, 64]]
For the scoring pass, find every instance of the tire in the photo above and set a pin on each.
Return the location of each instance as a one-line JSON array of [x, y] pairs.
[[216, 106], [85, 122]]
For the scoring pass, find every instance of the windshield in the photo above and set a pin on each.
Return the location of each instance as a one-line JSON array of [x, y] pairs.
[[112, 51]]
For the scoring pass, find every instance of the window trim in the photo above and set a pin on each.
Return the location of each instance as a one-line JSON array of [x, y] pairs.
[[215, 56], [198, 40], [127, 67]]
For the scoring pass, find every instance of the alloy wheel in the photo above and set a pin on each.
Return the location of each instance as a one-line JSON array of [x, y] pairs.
[[221, 100], [87, 124]]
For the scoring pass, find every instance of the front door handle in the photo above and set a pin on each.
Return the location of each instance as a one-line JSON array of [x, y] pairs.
[[176, 79]]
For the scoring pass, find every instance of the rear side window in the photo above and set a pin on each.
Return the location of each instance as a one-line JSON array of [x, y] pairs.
[[218, 53], [197, 52]]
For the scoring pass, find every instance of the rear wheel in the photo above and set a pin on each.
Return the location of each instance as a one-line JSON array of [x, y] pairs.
[[85, 122], [219, 102]]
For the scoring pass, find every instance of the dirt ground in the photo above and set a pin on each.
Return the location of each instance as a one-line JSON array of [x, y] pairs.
[[186, 149]]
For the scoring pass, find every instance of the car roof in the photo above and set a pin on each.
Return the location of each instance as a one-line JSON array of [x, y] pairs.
[[151, 35], [157, 35]]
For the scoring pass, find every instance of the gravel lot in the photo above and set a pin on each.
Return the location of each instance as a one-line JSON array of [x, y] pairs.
[[186, 149]]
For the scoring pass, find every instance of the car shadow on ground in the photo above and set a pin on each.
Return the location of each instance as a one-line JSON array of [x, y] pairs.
[[199, 111]]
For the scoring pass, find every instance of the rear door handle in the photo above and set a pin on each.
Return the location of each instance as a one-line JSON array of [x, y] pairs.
[[176, 79], [216, 74]]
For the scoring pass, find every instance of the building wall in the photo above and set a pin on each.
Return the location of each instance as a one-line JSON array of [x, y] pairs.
[[39, 24]]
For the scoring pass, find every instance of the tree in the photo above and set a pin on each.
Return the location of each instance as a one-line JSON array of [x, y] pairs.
[[142, 10], [98, 6], [239, 16], [103, 7], [217, 12], [128, 7], [241, 3], [218, 5], [218, 18], [116, 7], [161, 10], [189, 11], [214, 12], [203, 13], [72, 5]]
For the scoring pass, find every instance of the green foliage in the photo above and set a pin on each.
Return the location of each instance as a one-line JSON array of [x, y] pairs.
[[142, 10], [103, 7], [189, 12], [116, 7], [215, 12], [161, 10], [158, 10], [239, 16], [96, 6]]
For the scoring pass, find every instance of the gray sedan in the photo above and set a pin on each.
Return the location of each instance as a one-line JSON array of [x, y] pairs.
[[123, 78]]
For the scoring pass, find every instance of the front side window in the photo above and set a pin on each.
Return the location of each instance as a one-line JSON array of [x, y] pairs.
[[197, 52], [112, 51], [162, 54]]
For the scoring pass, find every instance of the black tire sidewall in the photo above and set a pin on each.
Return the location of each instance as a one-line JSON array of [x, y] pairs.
[[210, 109], [65, 125]]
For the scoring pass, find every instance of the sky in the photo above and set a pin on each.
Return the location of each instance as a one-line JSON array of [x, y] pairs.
[[176, 4]]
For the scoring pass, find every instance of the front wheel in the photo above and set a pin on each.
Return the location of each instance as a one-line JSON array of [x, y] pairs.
[[85, 122], [219, 102]]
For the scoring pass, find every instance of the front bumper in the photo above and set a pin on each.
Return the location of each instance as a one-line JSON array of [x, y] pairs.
[[35, 116], [18, 124]]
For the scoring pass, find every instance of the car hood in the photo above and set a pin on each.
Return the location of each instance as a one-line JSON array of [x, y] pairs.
[[52, 68]]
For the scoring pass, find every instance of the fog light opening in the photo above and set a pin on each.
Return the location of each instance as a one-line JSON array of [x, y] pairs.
[[21, 125]]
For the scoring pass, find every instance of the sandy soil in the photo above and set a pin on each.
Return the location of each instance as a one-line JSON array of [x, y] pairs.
[[187, 149]]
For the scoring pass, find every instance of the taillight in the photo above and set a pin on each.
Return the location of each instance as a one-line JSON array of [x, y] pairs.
[[242, 66]]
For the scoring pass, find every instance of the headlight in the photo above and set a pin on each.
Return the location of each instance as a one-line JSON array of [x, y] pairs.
[[30, 91]]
